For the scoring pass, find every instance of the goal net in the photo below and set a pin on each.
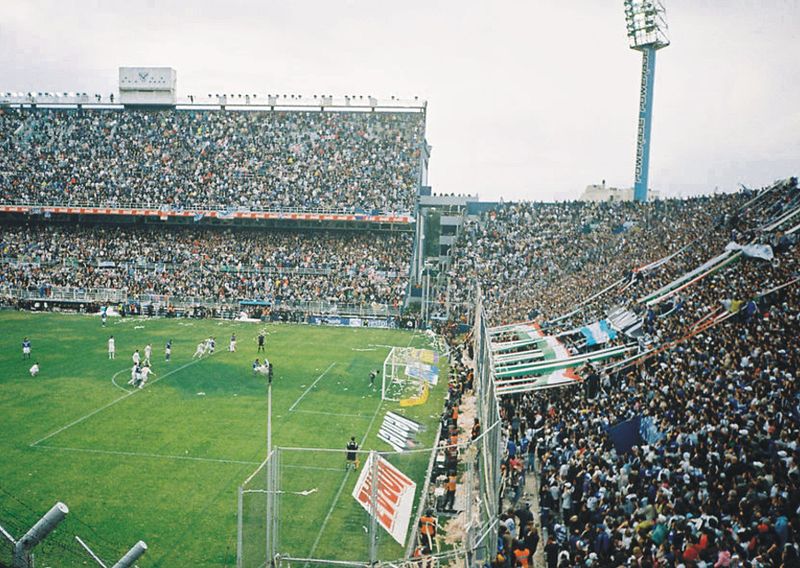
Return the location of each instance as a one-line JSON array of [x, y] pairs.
[[408, 372]]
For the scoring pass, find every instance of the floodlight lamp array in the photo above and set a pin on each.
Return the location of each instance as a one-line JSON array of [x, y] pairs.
[[646, 24]]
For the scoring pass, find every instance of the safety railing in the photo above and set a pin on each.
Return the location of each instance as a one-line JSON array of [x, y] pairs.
[[57, 294], [200, 208]]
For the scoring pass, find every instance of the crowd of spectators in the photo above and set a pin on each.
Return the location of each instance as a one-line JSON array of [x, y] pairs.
[[714, 478], [215, 160], [719, 486], [545, 258], [279, 267]]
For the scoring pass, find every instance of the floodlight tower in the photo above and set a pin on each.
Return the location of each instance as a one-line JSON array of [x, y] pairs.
[[647, 32]]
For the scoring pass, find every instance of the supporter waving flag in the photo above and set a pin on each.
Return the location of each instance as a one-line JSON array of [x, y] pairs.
[[598, 332]]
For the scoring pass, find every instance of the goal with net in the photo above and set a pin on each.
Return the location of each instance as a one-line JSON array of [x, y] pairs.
[[408, 372]]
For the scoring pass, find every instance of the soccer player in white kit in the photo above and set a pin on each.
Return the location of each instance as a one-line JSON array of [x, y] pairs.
[[232, 346], [148, 350], [201, 349], [136, 358], [34, 370], [112, 347], [145, 372]]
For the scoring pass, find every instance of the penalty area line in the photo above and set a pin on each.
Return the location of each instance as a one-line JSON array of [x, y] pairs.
[[315, 468], [333, 413], [339, 491], [325, 372], [145, 455], [344, 481], [112, 403]]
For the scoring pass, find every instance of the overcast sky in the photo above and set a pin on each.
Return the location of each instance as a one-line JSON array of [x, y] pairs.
[[526, 99]]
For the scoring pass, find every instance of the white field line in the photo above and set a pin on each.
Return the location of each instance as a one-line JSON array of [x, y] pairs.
[[325, 372], [112, 403], [316, 468], [339, 491], [146, 455], [305, 493], [252, 475], [333, 413], [114, 376]]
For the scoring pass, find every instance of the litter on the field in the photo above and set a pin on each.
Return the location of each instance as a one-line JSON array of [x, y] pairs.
[[201, 394], [138, 327]]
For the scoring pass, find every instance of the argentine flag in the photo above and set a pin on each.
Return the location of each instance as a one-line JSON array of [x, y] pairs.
[[598, 332]]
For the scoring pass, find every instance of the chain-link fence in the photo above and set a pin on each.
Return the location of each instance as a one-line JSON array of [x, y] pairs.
[[55, 537], [313, 506], [310, 505], [489, 445]]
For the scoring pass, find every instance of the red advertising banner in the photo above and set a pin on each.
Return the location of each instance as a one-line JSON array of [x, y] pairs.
[[395, 496]]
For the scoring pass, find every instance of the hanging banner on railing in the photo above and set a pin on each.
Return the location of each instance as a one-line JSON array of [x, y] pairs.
[[394, 496], [351, 321], [199, 214]]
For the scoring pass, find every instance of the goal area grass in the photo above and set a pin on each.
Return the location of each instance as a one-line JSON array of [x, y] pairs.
[[163, 463]]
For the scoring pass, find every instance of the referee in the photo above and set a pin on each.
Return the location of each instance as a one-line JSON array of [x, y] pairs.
[[352, 460]]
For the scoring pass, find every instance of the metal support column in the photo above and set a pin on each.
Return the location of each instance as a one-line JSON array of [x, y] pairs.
[[645, 124], [276, 505], [270, 497], [373, 523], [239, 527], [42, 528], [132, 555]]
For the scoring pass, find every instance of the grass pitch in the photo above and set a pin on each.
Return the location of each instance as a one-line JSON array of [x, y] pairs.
[[162, 464]]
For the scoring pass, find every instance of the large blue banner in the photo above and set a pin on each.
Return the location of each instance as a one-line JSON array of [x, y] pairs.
[[351, 321], [625, 435]]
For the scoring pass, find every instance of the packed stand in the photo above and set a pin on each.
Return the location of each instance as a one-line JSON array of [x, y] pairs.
[[688, 455], [540, 259], [717, 484], [215, 160], [279, 267]]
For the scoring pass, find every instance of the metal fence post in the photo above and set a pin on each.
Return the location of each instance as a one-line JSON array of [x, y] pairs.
[[239, 527], [42, 528], [373, 526], [132, 555]]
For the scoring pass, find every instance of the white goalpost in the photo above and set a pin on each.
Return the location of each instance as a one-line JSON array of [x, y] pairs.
[[407, 371]]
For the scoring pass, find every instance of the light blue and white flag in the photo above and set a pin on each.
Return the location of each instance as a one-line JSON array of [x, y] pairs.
[[598, 332], [763, 252]]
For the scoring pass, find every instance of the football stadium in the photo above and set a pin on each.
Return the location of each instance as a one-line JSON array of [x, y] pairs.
[[243, 330]]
